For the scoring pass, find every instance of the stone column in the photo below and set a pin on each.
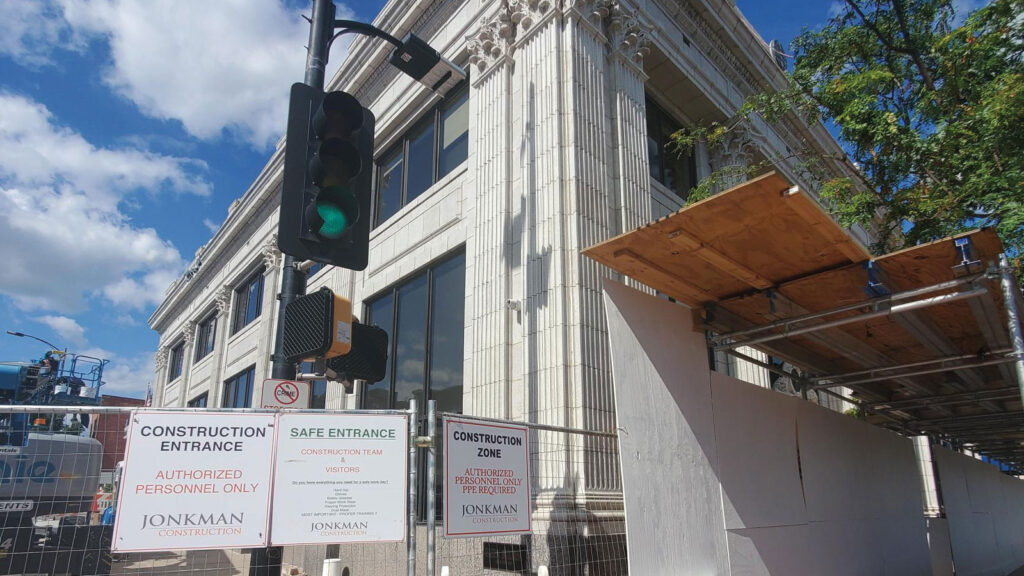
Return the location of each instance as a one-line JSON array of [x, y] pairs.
[[220, 345], [629, 44], [188, 353], [272, 262], [160, 375], [491, 261]]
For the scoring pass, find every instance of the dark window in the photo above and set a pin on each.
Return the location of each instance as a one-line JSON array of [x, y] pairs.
[[423, 317], [199, 401], [389, 184], [248, 301], [427, 153], [206, 337], [238, 389], [419, 174], [676, 172], [454, 134], [176, 361]]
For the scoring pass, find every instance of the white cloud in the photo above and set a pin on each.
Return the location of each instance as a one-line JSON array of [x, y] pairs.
[[30, 30], [128, 376], [211, 225], [69, 330], [213, 66], [62, 235]]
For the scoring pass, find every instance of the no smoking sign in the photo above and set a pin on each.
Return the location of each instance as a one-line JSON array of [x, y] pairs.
[[285, 394]]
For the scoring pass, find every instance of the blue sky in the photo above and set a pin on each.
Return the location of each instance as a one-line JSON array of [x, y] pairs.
[[127, 127]]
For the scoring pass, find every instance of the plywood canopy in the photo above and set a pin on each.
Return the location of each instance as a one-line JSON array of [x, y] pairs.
[[920, 335]]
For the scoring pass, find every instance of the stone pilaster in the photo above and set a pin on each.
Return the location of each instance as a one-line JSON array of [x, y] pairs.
[[223, 300], [188, 356], [489, 247], [272, 261], [160, 375]]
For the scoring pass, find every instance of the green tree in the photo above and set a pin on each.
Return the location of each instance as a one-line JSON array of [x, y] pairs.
[[930, 112]]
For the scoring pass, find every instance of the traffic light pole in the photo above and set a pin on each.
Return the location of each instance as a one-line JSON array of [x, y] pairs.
[[293, 280], [415, 58], [267, 561]]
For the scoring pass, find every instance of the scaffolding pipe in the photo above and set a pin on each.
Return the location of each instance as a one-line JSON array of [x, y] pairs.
[[897, 309], [984, 418], [1010, 292], [874, 302], [410, 538], [873, 371], [431, 489], [804, 388], [994, 362], [1007, 393]]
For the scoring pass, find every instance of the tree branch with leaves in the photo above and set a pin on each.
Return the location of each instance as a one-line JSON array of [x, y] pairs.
[[929, 110]]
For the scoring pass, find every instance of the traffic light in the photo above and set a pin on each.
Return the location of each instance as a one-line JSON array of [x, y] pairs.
[[368, 358], [328, 165], [317, 325]]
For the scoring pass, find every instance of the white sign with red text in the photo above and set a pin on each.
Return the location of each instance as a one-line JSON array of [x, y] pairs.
[[340, 478], [487, 478], [194, 481]]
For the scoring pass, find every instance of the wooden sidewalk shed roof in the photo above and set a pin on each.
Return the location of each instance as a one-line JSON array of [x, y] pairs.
[[919, 335]]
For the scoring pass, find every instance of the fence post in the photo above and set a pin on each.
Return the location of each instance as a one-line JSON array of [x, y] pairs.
[[410, 541], [431, 481]]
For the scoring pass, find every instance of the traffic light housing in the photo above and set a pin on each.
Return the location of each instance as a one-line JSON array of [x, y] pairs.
[[328, 166], [368, 358], [317, 325]]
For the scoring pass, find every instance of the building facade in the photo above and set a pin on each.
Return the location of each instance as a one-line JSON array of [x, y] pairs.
[[485, 198]]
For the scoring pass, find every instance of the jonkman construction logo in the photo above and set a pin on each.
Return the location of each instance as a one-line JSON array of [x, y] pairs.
[[194, 523]]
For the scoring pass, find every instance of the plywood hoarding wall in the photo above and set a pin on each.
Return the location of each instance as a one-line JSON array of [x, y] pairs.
[[985, 512], [723, 477]]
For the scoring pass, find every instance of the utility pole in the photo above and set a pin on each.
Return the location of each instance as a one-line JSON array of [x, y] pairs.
[[267, 561], [415, 58]]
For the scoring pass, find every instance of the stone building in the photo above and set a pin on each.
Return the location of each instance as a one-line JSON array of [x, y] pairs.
[[484, 199]]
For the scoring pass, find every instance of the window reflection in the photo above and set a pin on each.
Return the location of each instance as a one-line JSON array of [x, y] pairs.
[[424, 320], [432, 149]]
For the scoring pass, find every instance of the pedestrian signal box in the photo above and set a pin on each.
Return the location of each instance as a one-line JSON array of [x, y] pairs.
[[317, 325]]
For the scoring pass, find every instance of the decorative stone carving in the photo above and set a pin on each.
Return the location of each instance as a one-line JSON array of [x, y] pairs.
[[160, 358], [190, 333], [736, 150], [223, 299], [629, 37], [595, 11], [526, 13], [271, 255], [492, 41]]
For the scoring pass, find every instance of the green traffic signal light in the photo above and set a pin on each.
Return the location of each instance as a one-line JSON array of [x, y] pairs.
[[335, 165], [326, 191]]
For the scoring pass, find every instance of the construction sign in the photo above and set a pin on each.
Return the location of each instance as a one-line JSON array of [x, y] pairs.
[[195, 481]]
